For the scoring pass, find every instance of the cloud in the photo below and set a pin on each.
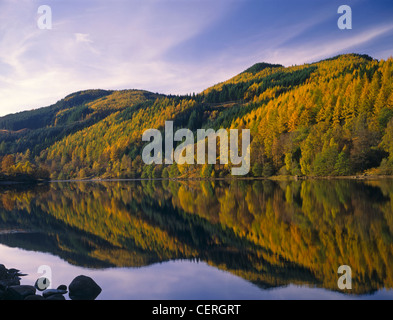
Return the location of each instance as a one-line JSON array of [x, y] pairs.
[[168, 46], [95, 45], [82, 37], [324, 47]]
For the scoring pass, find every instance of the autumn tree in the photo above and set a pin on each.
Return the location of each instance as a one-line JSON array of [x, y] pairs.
[[7, 163]]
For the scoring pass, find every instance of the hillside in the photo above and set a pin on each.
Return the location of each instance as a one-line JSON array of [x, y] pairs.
[[332, 117]]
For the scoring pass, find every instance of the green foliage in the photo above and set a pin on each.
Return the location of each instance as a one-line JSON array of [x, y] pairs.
[[386, 167], [207, 171], [325, 161], [258, 67], [385, 116], [268, 170], [257, 169], [387, 140], [173, 171], [41, 118], [342, 165], [236, 88]]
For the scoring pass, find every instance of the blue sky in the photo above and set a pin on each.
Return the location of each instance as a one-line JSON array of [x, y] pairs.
[[171, 46]]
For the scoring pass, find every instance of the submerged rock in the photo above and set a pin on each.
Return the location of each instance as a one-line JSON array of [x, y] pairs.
[[84, 288]]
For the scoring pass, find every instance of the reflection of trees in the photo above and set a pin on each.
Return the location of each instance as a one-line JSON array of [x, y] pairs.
[[267, 232], [319, 225]]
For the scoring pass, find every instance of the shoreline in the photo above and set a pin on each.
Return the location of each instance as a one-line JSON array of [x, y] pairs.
[[273, 178], [81, 287]]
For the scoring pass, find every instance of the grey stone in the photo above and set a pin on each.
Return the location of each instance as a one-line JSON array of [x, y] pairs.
[[50, 292], [84, 288]]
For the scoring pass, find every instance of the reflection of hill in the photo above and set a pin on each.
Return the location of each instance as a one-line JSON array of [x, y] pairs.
[[268, 233]]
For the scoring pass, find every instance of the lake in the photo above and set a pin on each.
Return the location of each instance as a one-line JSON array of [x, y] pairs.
[[221, 240]]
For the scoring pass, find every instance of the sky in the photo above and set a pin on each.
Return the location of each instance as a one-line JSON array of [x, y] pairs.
[[171, 46]]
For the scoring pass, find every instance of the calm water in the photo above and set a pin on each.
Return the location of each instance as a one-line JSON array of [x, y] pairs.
[[204, 240]]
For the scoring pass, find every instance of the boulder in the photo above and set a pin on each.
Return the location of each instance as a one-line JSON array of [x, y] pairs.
[[13, 271], [62, 287], [84, 288], [19, 292], [56, 297], [5, 283], [3, 272], [51, 292]]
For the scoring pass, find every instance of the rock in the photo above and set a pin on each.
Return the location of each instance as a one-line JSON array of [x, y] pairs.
[[13, 271], [19, 292], [84, 288], [3, 272], [21, 274], [50, 292], [62, 287], [5, 283], [56, 297], [35, 297]]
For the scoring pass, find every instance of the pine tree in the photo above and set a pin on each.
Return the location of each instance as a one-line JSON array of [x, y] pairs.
[[257, 169], [342, 166]]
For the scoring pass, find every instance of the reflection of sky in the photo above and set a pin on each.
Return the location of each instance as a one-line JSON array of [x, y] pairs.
[[171, 46], [176, 280]]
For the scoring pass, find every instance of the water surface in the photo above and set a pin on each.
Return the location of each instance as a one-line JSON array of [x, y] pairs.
[[205, 240]]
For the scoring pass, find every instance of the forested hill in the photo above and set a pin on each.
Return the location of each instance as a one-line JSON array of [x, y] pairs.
[[333, 117]]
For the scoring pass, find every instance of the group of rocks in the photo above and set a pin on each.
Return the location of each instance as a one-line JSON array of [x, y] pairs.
[[81, 288]]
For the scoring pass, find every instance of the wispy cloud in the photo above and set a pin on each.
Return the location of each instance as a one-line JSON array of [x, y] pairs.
[[168, 46], [321, 48], [96, 45], [83, 37]]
